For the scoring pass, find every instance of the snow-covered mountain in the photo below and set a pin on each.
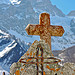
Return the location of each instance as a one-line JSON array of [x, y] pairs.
[[19, 15], [11, 49], [15, 16], [14, 19], [68, 38]]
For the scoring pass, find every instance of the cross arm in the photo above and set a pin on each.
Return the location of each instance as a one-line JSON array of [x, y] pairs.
[[34, 29], [56, 30]]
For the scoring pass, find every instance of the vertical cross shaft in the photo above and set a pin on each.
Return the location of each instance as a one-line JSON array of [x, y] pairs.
[[45, 20]]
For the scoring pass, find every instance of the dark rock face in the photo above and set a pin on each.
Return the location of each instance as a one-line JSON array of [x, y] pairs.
[[68, 54], [72, 13]]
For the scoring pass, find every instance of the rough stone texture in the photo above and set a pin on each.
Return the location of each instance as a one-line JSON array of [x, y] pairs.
[[30, 69], [14, 67], [68, 69]]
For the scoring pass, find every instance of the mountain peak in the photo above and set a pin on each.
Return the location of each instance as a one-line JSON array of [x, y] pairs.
[[72, 13]]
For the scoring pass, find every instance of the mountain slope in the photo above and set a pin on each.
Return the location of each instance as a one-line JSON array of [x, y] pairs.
[[68, 55], [40, 6], [10, 49], [16, 17], [72, 13]]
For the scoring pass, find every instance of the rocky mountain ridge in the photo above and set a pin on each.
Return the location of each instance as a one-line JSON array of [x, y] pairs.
[[11, 49], [67, 55], [72, 13]]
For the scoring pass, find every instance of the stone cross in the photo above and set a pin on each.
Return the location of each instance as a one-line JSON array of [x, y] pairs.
[[44, 29]]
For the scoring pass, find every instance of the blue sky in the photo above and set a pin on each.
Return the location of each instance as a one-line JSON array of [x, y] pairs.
[[65, 5]]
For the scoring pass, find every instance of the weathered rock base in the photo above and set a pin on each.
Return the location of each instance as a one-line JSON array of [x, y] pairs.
[[49, 69]]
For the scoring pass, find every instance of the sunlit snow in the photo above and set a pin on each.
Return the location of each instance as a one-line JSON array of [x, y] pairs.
[[7, 49], [15, 2], [3, 33]]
